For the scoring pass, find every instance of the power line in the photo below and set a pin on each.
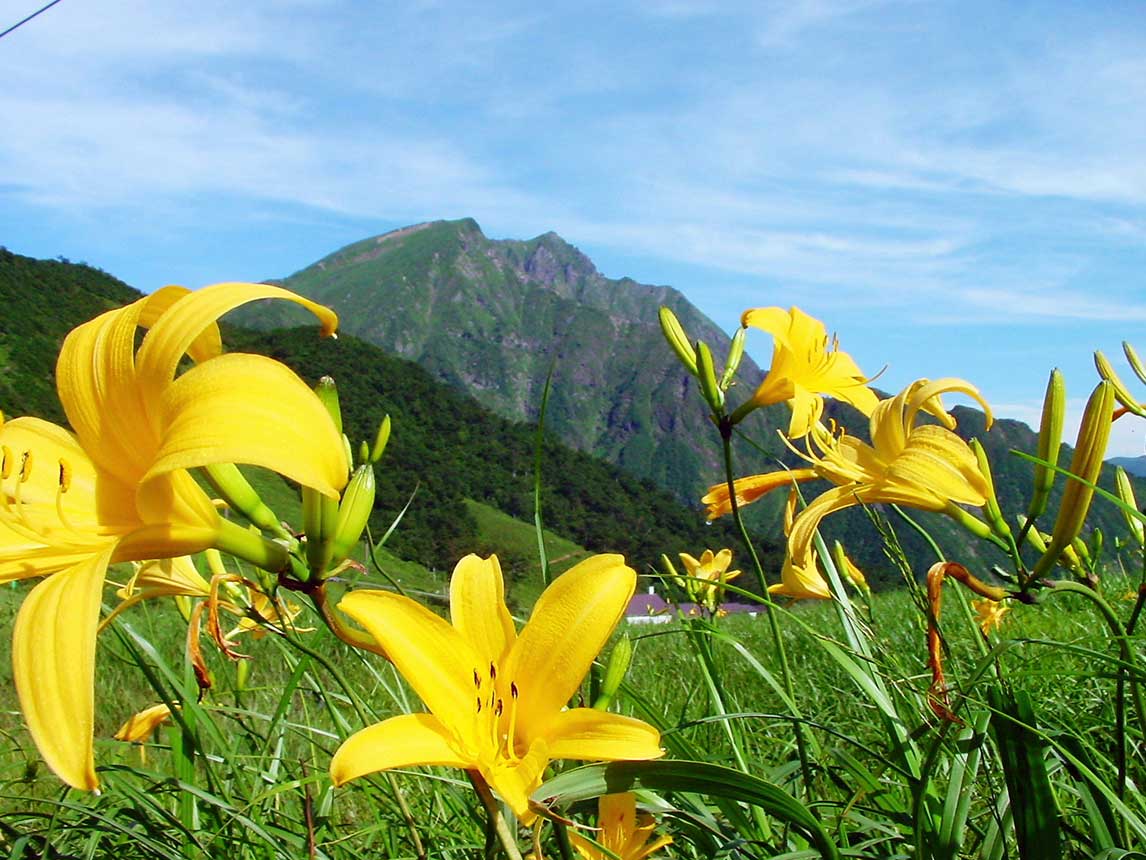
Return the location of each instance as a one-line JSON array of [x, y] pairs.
[[29, 18]]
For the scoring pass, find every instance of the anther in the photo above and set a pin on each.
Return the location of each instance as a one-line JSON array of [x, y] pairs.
[[25, 466], [477, 679], [65, 477], [479, 704], [497, 711], [5, 461], [492, 672], [513, 689]]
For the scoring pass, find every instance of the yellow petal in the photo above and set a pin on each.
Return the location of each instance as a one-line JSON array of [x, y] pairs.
[[207, 345], [95, 377], [592, 735], [775, 321], [250, 409], [751, 488], [139, 727], [403, 741], [433, 657], [53, 661], [477, 607], [174, 333], [569, 625]]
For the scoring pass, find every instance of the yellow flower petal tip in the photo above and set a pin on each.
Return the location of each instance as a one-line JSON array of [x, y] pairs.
[[497, 699]]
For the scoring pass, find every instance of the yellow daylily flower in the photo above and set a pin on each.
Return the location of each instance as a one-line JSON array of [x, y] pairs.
[[806, 365], [118, 490], [924, 466], [623, 831], [707, 575], [497, 699], [991, 613]]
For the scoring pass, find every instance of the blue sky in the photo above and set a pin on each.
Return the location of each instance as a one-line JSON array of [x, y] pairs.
[[957, 189]]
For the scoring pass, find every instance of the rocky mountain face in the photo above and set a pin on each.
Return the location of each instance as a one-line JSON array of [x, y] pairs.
[[496, 317]]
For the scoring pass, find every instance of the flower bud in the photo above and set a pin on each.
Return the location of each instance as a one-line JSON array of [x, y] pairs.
[[735, 354], [1135, 362], [380, 440], [706, 373], [1050, 442], [1085, 465], [327, 392], [353, 513], [1126, 494], [1121, 392], [991, 509], [319, 517], [675, 335], [615, 671], [237, 492]]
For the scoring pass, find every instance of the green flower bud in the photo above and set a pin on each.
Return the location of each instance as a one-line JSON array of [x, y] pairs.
[[1126, 494], [327, 392], [237, 492], [353, 513], [991, 508], [1050, 442], [615, 671], [1086, 464], [677, 339], [735, 354], [706, 373], [1135, 362], [1121, 392], [380, 440], [319, 517]]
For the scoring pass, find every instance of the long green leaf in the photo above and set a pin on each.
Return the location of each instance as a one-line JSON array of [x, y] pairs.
[[712, 780]]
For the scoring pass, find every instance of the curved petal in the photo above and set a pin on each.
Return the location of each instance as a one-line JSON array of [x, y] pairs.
[[804, 526], [241, 408], [517, 780], [95, 377], [207, 345], [801, 581], [570, 623], [775, 321], [433, 657], [751, 488], [181, 326], [591, 735], [53, 662], [477, 607], [403, 741]]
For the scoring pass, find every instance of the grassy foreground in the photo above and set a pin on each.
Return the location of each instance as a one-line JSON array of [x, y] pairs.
[[243, 774]]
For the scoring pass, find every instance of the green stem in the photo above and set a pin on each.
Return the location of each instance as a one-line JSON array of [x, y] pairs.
[[251, 547], [726, 426], [496, 819]]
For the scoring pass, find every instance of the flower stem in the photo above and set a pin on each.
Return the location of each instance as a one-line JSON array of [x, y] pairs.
[[726, 426], [496, 819]]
